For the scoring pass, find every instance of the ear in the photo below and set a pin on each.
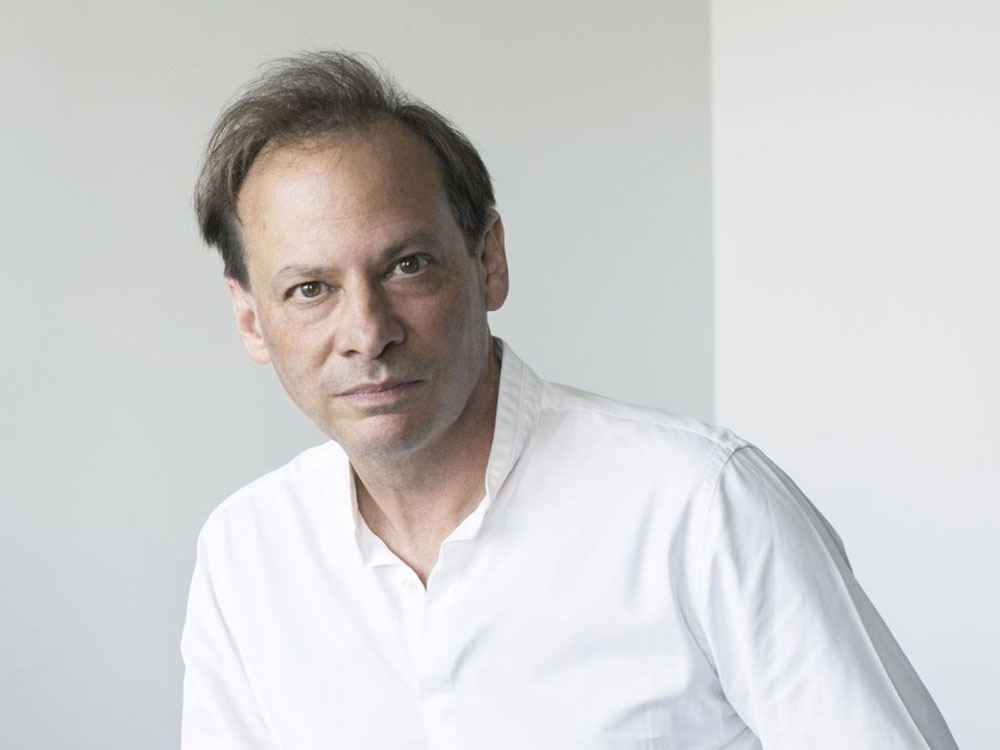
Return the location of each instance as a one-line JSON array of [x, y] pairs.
[[493, 261], [248, 323]]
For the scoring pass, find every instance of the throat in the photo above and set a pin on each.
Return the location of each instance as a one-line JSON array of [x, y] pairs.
[[414, 526]]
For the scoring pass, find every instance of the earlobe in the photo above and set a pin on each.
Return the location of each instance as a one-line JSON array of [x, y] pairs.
[[494, 263], [248, 323]]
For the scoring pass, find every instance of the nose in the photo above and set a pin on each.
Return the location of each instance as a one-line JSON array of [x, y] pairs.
[[367, 325]]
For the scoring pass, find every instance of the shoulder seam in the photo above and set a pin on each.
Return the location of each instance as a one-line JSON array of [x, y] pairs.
[[657, 422], [715, 474]]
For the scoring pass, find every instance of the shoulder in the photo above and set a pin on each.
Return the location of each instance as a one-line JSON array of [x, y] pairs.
[[756, 505], [277, 498], [621, 455], [624, 427]]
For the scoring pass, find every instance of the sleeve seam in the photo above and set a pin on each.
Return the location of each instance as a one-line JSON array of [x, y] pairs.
[[710, 484]]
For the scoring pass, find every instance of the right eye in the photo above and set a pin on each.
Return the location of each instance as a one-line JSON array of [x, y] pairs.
[[307, 290]]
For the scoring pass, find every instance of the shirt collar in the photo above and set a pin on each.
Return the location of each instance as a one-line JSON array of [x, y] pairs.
[[518, 405], [519, 400]]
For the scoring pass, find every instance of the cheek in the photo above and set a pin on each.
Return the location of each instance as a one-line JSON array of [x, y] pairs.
[[462, 335], [296, 345], [451, 322]]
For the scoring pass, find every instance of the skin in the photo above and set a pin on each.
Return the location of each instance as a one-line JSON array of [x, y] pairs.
[[365, 298]]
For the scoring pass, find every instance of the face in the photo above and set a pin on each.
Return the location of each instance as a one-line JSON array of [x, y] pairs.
[[363, 293]]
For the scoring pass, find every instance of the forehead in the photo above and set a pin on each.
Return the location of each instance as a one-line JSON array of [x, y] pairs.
[[344, 187]]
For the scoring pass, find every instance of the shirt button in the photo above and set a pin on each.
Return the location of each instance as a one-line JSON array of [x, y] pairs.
[[411, 586]]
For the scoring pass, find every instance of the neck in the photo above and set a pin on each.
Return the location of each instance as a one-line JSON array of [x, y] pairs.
[[414, 502]]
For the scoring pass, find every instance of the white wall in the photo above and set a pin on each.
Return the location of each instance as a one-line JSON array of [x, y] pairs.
[[129, 408], [855, 183], [858, 315]]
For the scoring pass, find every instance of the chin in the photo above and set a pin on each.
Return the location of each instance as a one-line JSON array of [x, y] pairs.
[[382, 440]]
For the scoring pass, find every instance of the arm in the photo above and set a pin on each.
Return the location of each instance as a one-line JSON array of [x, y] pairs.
[[800, 651], [220, 711]]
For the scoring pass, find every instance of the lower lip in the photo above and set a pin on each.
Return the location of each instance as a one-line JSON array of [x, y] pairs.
[[382, 397]]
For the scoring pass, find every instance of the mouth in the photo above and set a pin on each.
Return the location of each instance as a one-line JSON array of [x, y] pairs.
[[382, 392]]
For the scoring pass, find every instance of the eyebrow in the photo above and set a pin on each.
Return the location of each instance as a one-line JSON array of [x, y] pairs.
[[300, 270]]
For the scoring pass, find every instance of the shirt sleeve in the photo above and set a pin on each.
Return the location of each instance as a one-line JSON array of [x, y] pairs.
[[219, 709], [800, 651]]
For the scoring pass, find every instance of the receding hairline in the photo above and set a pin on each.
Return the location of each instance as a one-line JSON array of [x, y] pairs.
[[339, 138], [315, 140]]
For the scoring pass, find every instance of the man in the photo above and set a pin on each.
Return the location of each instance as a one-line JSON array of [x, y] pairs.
[[478, 558]]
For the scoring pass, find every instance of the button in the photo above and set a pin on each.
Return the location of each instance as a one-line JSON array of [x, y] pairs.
[[411, 586]]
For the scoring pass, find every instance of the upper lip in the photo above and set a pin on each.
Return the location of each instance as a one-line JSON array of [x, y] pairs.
[[377, 386]]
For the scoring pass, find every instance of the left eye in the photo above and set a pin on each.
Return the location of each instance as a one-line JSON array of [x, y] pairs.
[[410, 265], [308, 290]]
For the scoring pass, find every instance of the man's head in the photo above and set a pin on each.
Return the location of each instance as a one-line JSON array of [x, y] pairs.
[[325, 93], [357, 267]]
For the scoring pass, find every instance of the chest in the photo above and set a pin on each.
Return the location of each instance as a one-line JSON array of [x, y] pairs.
[[519, 640]]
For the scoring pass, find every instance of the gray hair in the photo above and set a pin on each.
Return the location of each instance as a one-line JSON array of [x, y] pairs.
[[309, 95]]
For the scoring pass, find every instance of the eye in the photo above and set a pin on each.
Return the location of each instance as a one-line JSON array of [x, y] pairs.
[[409, 265], [307, 290]]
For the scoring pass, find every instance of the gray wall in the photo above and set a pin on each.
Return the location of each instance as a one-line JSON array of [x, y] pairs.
[[858, 301], [129, 407]]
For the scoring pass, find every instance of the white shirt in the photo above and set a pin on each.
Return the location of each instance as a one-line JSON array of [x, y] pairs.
[[630, 580]]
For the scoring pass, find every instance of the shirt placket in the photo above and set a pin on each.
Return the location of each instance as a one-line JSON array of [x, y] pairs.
[[427, 621]]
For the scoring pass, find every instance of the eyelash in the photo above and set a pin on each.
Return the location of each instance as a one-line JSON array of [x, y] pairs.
[[423, 260], [296, 291]]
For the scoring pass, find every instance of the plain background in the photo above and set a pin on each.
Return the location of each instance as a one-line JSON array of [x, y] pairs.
[[782, 219], [857, 268]]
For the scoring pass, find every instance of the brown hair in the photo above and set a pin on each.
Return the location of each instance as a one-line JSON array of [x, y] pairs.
[[301, 97]]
